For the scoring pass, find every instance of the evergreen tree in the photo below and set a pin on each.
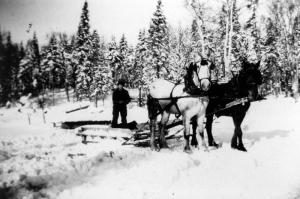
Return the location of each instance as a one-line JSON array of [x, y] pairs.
[[2, 68], [271, 55], [140, 59], [71, 62], [101, 74], [82, 55], [220, 37], [124, 55], [195, 39], [52, 64], [114, 59], [30, 71], [253, 32], [157, 62], [181, 46], [238, 41], [11, 69]]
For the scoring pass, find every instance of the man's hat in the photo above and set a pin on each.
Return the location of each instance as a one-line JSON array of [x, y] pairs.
[[121, 82]]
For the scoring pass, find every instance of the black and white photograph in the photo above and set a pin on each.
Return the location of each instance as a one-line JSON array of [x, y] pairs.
[[149, 99]]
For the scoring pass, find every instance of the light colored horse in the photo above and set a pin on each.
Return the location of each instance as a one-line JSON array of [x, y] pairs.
[[167, 98]]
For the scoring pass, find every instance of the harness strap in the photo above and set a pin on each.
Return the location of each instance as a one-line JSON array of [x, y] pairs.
[[174, 102]]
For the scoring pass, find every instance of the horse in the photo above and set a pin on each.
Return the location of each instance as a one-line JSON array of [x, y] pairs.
[[167, 98], [242, 85]]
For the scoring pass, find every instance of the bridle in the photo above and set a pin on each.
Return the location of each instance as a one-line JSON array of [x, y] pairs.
[[203, 74]]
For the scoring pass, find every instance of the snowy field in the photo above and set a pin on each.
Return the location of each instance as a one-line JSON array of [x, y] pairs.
[[40, 161]]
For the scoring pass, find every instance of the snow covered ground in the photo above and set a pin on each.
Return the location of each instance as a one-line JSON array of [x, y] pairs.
[[39, 161]]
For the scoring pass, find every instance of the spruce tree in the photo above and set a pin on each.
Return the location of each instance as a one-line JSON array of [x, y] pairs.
[[114, 59], [101, 74], [11, 69], [140, 58], [82, 55], [238, 44], [270, 54], [158, 46], [2, 69], [30, 71], [195, 40], [124, 54], [52, 64], [252, 31], [102, 78]]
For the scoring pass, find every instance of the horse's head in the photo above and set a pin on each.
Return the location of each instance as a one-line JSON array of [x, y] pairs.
[[203, 74], [250, 78]]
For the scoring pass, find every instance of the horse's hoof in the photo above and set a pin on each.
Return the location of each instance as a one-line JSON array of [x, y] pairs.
[[214, 144], [194, 143], [187, 150], [164, 146], [242, 148]]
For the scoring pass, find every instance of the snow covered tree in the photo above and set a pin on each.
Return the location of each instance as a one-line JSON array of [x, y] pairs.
[[140, 59], [123, 52], [52, 64], [9, 66], [101, 83], [284, 15], [253, 33], [181, 47], [82, 55], [271, 55], [195, 38], [30, 71], [157, 44], [237, 41], [71, 62], [114, 59]]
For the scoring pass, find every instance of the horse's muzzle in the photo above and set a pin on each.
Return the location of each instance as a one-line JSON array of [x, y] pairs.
[[205, 84]]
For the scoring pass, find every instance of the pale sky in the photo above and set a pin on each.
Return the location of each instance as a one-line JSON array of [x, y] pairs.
[[108, 17]]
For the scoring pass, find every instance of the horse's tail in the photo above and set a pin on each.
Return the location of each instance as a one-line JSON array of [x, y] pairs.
[[153, 107]]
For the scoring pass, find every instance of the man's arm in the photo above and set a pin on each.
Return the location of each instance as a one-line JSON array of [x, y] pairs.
[[128, 99], [114, 96]]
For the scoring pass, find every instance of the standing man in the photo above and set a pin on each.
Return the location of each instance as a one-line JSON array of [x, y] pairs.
[[120, 99]]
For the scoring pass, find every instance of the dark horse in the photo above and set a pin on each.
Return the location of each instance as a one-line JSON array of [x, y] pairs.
[[242, 85]]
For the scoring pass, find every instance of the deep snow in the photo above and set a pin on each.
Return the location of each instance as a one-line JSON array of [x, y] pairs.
[[39, 161]]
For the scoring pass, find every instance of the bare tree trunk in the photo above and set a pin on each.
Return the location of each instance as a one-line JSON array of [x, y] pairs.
[[96, 99], [140, 96], [228, 68], [225, 66], [53, 96], [67, 91]]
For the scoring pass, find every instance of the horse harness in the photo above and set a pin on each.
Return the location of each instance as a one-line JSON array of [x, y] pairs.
[[173, 102]]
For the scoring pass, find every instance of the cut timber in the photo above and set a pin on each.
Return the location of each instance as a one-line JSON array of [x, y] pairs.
[[75, 124], [77, 109], [103, 132]]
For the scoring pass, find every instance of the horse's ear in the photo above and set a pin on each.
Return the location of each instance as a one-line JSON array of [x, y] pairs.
[[212, 65]]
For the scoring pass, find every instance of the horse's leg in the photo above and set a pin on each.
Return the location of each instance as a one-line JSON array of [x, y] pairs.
[[164, 119], [238, 134], [200, 123], [208, 126], [152, 134], [186, 124], [194, 141], [152, 114]]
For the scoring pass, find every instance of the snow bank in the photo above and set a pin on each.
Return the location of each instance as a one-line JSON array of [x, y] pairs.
[[38, 160]]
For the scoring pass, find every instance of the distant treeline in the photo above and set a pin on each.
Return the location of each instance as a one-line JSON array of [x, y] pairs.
[[89, 65]]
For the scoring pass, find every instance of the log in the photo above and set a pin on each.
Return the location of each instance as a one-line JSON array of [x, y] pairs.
[[75, 124], [77, 109]]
